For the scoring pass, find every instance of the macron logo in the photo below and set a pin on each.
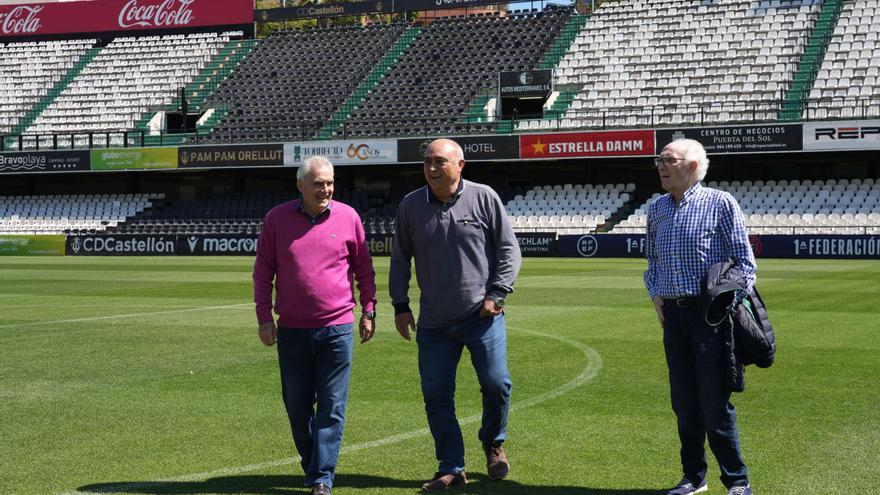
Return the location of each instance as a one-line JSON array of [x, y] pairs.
[[193, 242]]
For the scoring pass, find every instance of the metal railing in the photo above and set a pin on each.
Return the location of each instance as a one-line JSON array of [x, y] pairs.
[[429, 124]]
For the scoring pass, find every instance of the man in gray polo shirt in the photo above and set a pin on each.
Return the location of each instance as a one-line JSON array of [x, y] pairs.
[[466, 259]]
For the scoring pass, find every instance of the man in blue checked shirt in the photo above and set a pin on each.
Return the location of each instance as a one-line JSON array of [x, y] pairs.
[[689, 230]]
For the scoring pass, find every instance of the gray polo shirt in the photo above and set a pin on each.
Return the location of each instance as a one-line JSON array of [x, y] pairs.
[[464, 250]]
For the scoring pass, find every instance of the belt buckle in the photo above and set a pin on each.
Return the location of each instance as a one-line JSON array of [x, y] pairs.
[[683, 302]]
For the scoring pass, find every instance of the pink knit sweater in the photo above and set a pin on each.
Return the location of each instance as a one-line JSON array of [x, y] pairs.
[[313, 267]]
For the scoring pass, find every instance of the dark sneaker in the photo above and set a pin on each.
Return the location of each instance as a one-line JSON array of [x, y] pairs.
[[320, 489], [740, 490], [685, 487], [497, 466], [442, 481]]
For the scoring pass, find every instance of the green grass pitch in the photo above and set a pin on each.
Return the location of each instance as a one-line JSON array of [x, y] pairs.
[[145, 376]]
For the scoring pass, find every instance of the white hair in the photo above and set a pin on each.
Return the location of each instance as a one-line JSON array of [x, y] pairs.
[[693, 151], [311, 163]]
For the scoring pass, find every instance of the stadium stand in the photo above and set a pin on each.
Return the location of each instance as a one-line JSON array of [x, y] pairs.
[[28, 71], [61, 214], [849, 78], [634, 63], [293, 81], [793, 207], [238, 213], [126, 79], [448, 65], [683, 62], [567, 209], [231, 213]]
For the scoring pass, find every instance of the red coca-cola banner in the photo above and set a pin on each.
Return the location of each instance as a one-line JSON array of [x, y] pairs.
[[120, 15]]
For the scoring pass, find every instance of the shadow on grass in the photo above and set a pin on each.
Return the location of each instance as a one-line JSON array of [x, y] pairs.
[[289, 485]]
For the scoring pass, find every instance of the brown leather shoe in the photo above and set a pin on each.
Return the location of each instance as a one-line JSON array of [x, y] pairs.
[[320, 489], [442, 481], [497, 466]]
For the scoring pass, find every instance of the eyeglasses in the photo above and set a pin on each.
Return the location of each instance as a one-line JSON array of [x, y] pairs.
[[666, 160]]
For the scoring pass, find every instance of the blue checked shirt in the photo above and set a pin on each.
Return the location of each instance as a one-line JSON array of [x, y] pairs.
[[683, 241]]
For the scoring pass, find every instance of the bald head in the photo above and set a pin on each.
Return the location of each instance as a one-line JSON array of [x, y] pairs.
[[447, 147], [444, 161]]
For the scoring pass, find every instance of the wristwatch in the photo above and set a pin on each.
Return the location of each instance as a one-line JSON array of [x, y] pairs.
[[499, 301], [369, 314]]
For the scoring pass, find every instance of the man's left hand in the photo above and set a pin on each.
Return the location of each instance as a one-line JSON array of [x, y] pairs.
[[367, 328], [490, 308]]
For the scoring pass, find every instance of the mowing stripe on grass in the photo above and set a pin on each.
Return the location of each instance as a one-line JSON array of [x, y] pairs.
[[594, 364], [127, 315]]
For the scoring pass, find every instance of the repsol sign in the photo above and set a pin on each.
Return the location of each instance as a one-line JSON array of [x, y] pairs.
[[846, 135], [833, 133], [161, 245]]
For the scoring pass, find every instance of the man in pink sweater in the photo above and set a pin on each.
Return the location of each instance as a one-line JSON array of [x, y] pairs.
[[311, 251]]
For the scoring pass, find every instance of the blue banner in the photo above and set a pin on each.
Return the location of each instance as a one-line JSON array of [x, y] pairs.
[[816, 246], [764, 246], [602, 246]]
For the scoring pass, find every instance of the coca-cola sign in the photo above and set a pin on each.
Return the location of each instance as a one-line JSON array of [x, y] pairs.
[[121, 15], [22, 20], [167, 13]]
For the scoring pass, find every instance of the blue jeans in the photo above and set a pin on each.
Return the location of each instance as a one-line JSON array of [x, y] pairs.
[[700, 398], [315, 370], [439, 353]]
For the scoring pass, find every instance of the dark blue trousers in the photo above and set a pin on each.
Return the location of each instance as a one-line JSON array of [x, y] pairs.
[[315, 370], [699, 397], [439, 353]]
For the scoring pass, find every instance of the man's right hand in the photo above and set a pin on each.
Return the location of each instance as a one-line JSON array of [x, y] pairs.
[[658, 306], [404, 323], [268, 333]]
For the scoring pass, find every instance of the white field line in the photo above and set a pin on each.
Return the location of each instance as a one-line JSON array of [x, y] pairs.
[[127, 315], [594, 364]]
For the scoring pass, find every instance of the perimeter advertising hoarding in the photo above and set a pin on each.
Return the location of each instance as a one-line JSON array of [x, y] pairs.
[[601, 246], [357, 8], [134, 158], [816, 246], [475, 148], [842, 135], [44, 161], [412, 5], [587, 144], [120, 15], [739, 139], [352, 152], [32, 245], [379, 244], [236, 155], [764, 246], [530, 244], [536, 244], [161, 245], [322, 10]]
